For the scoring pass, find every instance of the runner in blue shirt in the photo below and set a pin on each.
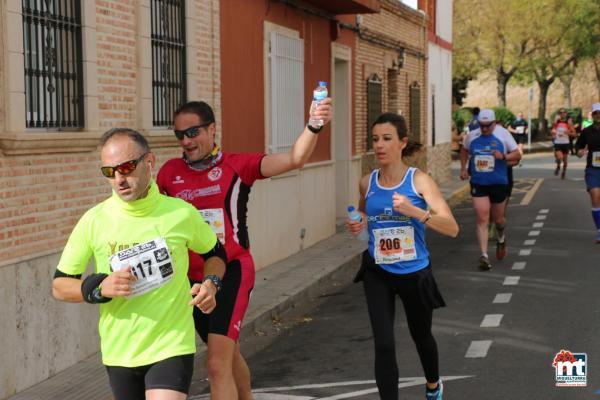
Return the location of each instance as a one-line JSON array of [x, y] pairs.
[[487, 151], [589, 143]]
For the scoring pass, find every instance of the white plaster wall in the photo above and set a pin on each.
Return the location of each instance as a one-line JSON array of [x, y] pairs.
[[280, 207], [440, 78], [444, 19], [40, 335]]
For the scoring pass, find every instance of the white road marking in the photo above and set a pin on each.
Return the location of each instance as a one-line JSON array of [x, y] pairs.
[[524, 252], [537, 225], [530, 193], [266, 393], [534, 233], [541, 217], [529, 242], [491, 320], [502, 298], [511, 280], [519, 265], [478, 349], [544, 211]]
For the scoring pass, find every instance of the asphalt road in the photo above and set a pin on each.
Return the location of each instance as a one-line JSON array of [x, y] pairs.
[[501, 329]]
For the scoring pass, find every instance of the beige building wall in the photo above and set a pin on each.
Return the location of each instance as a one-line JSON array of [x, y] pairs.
[[49, 178]]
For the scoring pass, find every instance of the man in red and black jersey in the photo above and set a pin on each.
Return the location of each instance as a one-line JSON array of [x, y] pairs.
[[218, 185]]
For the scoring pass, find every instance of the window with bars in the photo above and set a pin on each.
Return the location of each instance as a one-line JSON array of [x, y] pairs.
[[374, 105], [286, 58], [415, 110], [53, 63], [168, 59]]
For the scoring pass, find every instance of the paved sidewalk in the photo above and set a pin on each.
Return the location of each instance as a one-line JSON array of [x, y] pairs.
[[279, 288]]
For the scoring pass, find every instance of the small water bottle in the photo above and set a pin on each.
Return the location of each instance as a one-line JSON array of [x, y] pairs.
[[319, 94], [355, 216]]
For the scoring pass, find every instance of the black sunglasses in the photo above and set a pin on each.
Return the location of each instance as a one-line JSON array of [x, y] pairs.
[[485, 125], [125, 168], [191, 132]]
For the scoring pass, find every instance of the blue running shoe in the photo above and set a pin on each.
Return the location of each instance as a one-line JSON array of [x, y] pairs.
[[437, 393]]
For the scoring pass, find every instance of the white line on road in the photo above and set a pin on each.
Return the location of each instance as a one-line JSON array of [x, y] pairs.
[[511, 280], [502, 298], [519, 265], [544, 211], [541, 217], [524, 252], [534, 233], [537, 225], [478, 349], [531, 192], [491, 320], [529, 242]]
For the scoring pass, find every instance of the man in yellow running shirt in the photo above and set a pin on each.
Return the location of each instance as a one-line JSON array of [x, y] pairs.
[[139, 240]]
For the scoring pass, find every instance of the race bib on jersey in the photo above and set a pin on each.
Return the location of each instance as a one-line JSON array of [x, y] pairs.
[[214, 217], [150, 263], [596, 159], [484, 163], [520, 130], [561, 135], [394, 245]]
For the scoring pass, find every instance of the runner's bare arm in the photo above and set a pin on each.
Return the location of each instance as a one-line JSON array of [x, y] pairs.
[[513, 156], [205, 293], [441, 220], [279, 163], [464, 158], [67, 289]]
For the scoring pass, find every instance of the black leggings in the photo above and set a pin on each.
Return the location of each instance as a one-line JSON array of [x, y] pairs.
[[381, 289]]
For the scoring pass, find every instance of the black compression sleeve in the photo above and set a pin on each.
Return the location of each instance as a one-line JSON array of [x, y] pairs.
[[59, 274], [217, 251]]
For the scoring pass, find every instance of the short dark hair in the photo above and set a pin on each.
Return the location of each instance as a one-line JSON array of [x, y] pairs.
[[400, 124], [476, 110], [200, 108], [132, 134]]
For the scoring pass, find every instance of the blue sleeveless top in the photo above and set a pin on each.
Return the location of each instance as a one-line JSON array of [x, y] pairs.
[[396, 242]]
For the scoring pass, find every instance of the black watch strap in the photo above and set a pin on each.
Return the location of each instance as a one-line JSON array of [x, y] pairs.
[[216, 280], [313, 129]]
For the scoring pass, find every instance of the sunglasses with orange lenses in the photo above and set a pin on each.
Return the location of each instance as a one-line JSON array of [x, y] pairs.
[[125, 168]]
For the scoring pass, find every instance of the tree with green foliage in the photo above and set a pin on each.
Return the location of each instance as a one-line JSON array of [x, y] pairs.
[[562, 32], [493, 36]]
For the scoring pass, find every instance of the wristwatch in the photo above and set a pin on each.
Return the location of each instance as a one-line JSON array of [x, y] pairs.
[[313, 129], [215, 279]]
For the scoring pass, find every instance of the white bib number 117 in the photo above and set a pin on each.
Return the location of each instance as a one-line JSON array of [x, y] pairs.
[[150, 263]]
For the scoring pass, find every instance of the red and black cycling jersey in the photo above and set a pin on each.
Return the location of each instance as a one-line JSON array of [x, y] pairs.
[[221, 194]]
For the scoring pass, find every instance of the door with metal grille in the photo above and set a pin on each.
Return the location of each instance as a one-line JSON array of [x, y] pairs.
[[374, 105], [415, 111]]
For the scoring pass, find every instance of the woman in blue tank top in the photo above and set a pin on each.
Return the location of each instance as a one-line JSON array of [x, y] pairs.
[[397, 202]]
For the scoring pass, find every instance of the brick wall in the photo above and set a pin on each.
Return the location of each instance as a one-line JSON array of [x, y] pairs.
[[43, 195], [402, 26]]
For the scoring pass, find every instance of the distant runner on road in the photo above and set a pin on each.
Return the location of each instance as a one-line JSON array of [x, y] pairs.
[[562, 131]]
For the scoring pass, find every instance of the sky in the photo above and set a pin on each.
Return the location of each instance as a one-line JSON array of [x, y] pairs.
[[411, 3]]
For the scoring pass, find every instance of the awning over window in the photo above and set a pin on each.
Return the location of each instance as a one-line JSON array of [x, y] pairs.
[[347, 6]]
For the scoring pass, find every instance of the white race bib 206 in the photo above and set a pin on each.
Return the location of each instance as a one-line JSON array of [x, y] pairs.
[[150, 262], [214, 217], [394, 245], [484, 163]]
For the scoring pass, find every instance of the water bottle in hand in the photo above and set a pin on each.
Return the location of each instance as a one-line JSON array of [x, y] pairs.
[[319, 94], [356, 216]]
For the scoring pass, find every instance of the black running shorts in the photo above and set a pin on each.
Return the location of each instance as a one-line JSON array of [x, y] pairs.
[[496, 193], [173, 373]]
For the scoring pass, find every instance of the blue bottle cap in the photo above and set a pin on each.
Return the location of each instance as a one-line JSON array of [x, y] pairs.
[[322, 83], [351, 208]]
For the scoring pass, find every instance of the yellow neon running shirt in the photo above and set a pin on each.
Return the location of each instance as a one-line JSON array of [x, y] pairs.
[[158, 324]]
